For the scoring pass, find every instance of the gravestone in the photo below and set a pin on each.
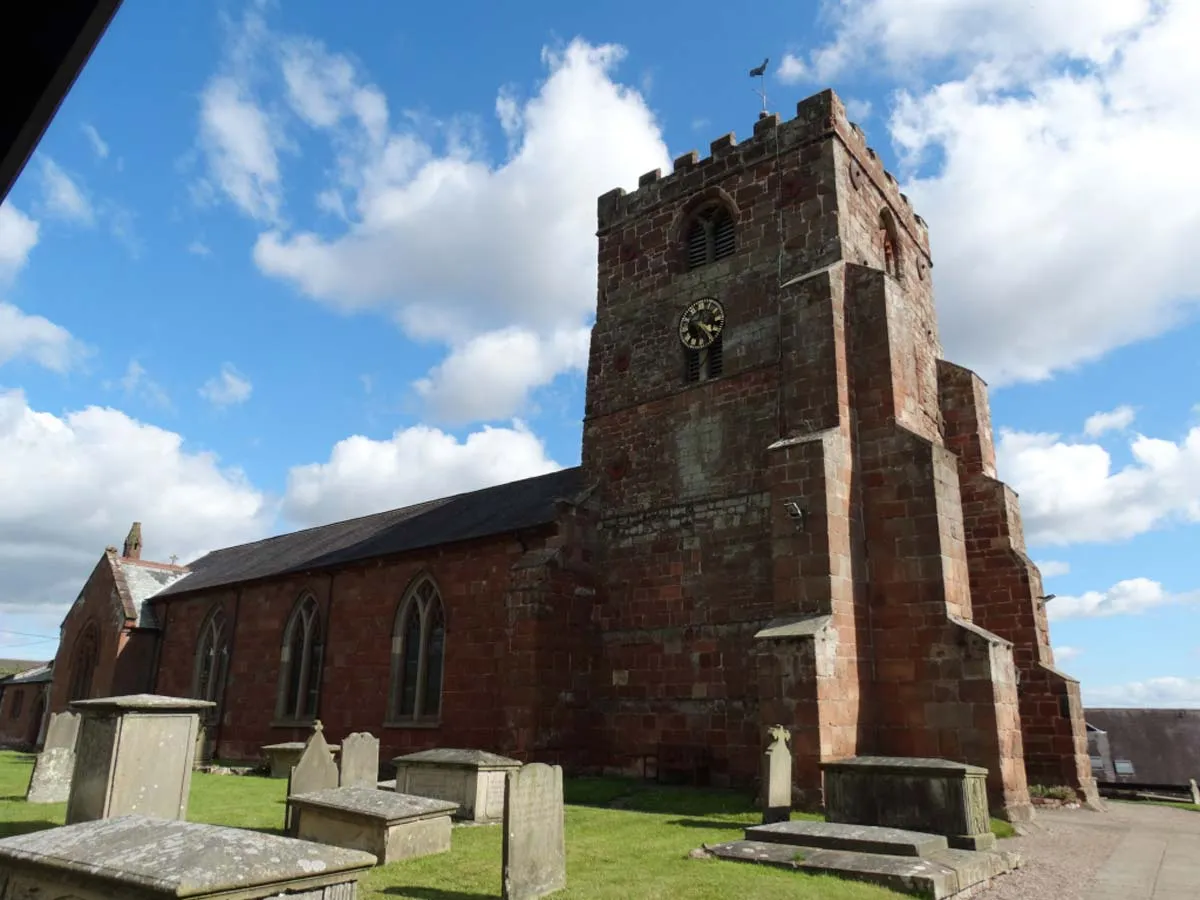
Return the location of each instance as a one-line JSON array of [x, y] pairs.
[[938, 796], [316, 770], [141, 858], [388, 825], [474, 779], [777, 777], [535, 849], [134, 755], [360, 760], [50, 781]]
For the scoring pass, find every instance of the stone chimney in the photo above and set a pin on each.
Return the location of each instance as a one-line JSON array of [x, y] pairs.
[[133, 542]]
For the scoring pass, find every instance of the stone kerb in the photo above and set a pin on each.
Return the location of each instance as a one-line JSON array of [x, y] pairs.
[[50, 780], [134, 755], [535, 850], [473, 779], [141, 858], [938, 796], [391, 826]]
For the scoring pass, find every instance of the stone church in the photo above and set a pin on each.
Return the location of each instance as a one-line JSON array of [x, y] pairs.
[[787, 512]]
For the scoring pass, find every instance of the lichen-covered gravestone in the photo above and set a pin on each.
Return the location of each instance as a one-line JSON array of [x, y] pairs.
[[360, 760], [50, 781], [535, 848], [316, 770], [777, 777]]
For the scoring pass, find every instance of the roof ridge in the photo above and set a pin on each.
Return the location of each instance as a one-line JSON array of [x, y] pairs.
[[383, 512]]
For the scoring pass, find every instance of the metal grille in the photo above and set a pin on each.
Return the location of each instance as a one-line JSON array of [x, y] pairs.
[[691, 365], [723, 235], [700, 365], [697, 244]]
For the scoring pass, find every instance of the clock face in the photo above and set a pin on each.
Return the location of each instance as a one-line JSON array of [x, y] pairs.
[[701, 323]]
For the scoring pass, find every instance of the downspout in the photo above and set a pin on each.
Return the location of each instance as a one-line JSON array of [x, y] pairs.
[[325, 646]]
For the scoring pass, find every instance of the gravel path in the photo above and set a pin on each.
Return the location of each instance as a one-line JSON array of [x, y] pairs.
[[1060, 861]]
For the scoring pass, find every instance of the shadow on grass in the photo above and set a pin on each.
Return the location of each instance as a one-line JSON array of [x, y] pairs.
[[12, 829], [428, 893], [716, 824]]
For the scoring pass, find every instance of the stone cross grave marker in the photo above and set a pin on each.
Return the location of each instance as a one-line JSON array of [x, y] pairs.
[[316, 770], [777, 777], [535, 849], [50, 781], [360, 760]]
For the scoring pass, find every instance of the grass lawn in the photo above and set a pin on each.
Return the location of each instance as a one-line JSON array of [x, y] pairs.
[[626, 840]]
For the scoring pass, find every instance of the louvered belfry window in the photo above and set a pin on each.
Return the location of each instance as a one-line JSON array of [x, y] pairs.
[[710, 237], [701, 365]]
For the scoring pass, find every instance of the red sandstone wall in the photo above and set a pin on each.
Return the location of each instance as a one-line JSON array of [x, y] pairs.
[[1006, 586], [98, 606], [497, 659], [22, 729]]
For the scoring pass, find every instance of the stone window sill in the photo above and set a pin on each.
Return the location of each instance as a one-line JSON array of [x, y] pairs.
[[413, 723]]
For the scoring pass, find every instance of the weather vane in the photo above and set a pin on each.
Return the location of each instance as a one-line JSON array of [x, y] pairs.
[[760, 72]]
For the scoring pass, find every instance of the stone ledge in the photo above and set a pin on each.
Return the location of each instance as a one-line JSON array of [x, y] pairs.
[[857, 838]]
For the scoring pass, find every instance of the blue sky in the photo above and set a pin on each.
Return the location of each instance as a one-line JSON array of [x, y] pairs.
[[269, 258]]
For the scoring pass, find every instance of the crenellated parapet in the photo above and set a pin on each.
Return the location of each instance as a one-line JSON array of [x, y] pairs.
[[818, 118]]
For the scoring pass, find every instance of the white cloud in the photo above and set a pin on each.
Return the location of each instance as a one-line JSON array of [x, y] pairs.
[[792, 69], [18, 236], [1115, 420], [365, 476], [489, 376], [136, 382], [858, 110], [241, 148], [62, 197], [227, 388], [439, 237], [37, 338], [1066, 654], [1052, 568], [199, 248], [1132, 596], [1166, 692], [99, 147], [1054, 241], [1070, 492], [72, 484]]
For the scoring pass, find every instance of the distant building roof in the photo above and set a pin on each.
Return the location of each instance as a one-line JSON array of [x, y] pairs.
[[13, 666], [1162, 744], [502, 509], [36, 674]]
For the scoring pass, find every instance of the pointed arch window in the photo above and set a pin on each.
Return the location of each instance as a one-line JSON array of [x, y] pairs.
[[710, 236], [83, 663], [891, 245], [300, 663], [212, 660], [418, 656]]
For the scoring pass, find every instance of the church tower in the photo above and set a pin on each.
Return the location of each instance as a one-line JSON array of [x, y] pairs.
[[780, 527]]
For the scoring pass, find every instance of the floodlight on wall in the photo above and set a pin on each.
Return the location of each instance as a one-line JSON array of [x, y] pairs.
[[795, 512], [1046, 598]]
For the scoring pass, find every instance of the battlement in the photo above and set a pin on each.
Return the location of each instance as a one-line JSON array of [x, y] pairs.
[[819, 117]]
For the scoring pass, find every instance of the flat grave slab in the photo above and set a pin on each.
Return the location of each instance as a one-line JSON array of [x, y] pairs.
[[860, 838], [943, 875], [389, 825], [281, 757], [141, 858], [474, 779]]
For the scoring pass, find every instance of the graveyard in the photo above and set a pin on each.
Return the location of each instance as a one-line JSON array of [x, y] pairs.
[[625, 838]]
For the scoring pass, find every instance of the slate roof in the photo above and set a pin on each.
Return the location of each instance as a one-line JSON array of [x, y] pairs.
[[502, 509], [1162, 744], [143, 580], [39, 674]]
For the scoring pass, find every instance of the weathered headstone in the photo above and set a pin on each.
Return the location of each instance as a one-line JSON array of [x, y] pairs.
[[1195, 791], [50, 781], [360, 760], [535, 848], [474, 779], [134, 755], [316, 770], [777, 777]]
